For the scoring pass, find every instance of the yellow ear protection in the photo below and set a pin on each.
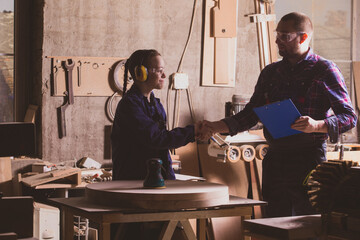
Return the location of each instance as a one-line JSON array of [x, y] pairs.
[[141, 72]]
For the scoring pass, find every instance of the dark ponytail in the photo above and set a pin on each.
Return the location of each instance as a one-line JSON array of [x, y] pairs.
[[139, 57]]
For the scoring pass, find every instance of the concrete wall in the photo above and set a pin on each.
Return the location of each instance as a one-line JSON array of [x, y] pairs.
[[115, 28]]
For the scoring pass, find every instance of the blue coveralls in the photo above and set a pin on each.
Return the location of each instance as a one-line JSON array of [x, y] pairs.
[[139, 133]]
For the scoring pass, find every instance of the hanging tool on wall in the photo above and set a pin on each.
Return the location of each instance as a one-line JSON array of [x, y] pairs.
[[79, 63], [265, 18], [68, 65], [92, 76], [54, 75]]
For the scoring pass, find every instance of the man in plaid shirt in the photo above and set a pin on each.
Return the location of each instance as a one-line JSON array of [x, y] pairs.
[[316, 86]]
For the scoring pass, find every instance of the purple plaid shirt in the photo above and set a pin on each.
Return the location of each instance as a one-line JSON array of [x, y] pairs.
[[315, 85]]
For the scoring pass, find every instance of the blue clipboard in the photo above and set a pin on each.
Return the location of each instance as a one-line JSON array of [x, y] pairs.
[[278, 117]]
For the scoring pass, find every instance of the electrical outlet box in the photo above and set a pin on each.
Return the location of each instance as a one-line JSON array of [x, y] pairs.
[[180, 80]]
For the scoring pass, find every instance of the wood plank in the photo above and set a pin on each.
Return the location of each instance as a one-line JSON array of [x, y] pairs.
[[168, 229], [5, 169], [208, 53], [224, 19], [8, 236], [356, 72], [71, 174], [352, 145], [256, 188], [207, 67], [348, 155], [222, 72], [188, 229], [31, 113], [270, 9], [60, 185], [6, 184], [265, 32], [201, 229]]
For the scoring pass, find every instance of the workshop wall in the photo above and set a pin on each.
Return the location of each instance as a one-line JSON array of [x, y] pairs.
[[115, 28]]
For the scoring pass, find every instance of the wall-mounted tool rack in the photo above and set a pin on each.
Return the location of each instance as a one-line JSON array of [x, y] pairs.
[[92, 76]]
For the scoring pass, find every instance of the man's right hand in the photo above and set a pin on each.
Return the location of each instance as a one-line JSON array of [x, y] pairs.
[[207, 129], [202, 131]]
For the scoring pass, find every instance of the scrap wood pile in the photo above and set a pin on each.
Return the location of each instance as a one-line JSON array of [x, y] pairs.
[[334, 191], [334, 185]]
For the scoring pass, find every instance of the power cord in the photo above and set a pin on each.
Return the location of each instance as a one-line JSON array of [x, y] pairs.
[[176, 113]]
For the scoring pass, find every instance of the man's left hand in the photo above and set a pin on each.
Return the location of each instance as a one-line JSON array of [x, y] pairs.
[[308, 125]]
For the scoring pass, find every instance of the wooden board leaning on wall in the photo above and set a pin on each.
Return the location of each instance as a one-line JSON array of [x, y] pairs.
[[219, 52], [91, 76], [356, 72]]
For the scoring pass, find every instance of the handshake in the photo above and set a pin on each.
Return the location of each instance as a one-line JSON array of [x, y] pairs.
[[206, 129]]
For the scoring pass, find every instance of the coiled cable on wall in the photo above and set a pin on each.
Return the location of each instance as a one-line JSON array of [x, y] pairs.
[[176, 113], [118, 86], [109, 106], [189, 36]]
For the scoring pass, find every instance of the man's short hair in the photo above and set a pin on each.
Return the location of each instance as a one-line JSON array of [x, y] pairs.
[[302, 23]]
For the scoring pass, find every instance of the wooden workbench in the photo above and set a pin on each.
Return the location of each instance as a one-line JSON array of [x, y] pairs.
[[105, 215], [337, 227], [286, 228]]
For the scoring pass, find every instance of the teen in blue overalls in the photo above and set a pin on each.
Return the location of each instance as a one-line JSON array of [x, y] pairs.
[[139, 130]]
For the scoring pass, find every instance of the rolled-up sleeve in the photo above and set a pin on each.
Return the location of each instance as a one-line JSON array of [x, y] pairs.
[[345, 117]]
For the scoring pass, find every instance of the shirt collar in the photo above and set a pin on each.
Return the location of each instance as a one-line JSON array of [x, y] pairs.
[[134, 89], [310, 57]]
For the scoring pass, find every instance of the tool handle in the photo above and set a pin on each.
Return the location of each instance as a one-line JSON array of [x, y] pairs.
[[62, 120], [70, 89], [70, 81], [69, 65]]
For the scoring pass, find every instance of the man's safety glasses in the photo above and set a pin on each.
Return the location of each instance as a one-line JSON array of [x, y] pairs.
[[287, 36]]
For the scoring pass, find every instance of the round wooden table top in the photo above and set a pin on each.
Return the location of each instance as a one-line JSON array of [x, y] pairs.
[[176, 194]]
